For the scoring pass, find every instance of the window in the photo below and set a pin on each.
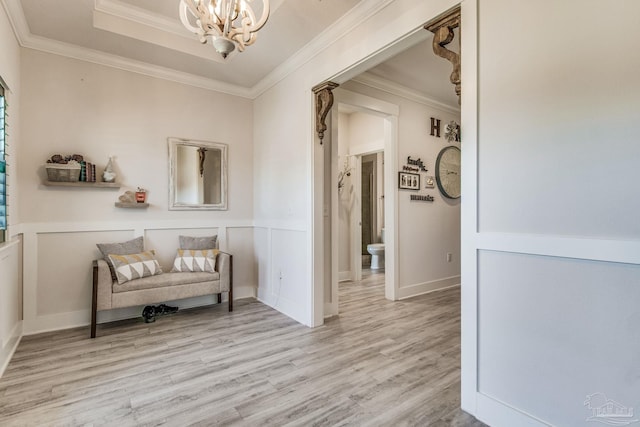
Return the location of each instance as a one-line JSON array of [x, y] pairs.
[[3, 165]]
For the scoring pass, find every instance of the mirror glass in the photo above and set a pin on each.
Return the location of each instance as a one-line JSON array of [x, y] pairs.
[[198, 175]]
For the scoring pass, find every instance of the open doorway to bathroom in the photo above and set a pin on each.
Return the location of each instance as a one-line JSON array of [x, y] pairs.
[[372, 211], [361, 214], [361, 154], [361, 189]]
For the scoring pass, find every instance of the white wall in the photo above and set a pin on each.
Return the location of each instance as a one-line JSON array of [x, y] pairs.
[[10, 253], [288, 157], [427, 231], [551, 274], [282, 198], [78, 107], [346, 199]]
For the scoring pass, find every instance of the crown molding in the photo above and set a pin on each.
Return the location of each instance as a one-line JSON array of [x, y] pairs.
[[393, 88], [140, 24], [359, 13], [127, 64], [30, 41], [141, 16], [15, 14]]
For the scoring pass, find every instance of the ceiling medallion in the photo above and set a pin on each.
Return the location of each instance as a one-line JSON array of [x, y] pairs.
[[231, 24]]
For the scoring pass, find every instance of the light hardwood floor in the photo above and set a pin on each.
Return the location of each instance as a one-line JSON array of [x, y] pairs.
[[380, 363]]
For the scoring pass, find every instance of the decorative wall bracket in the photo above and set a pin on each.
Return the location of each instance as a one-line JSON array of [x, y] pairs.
[[324, 102], [442, 28]]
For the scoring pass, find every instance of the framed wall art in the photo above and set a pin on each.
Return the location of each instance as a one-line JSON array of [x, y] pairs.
[[408, 181]]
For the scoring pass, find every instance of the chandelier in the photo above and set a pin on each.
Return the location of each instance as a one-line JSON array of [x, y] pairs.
[[229, 23]]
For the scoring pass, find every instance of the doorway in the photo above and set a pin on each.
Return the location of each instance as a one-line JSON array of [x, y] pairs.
[[380, 118], [412, 283]]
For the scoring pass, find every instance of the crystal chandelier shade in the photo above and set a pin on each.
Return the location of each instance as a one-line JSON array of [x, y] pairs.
[[230, 24]]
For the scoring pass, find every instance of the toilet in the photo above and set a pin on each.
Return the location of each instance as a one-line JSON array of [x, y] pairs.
[[377, 253]]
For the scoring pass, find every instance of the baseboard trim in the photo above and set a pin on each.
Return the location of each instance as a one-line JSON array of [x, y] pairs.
[[286, 307], [343, 276], [10, 347], [426, 287], [75, 319], [493, 412]]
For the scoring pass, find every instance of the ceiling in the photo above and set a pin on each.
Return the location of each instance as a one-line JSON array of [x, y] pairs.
[[146, 35]]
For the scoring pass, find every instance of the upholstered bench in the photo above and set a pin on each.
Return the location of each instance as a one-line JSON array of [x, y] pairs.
[[112, 291]]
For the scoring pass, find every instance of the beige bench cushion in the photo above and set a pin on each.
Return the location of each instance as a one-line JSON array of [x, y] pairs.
[[164, 280]]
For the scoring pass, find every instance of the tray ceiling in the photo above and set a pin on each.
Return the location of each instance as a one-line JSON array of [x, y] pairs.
[[147, 34]]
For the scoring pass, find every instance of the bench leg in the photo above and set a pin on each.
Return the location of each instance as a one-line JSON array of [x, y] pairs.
[[231, 283], [219, 298], [94, 301]]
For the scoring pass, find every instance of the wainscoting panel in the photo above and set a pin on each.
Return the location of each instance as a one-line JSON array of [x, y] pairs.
[[263, 260], [281, 258], [64, 268], [241, 245], [10, 300], [58, 274], [566, 308]]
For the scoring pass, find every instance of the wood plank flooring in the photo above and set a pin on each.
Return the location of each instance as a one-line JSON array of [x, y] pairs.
[[379, 363]]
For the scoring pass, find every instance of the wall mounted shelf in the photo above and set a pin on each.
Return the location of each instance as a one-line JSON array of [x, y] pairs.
[[132, 205], [82, 184]]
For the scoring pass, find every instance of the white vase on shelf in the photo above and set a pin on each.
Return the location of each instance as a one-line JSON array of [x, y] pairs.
[[109, 175]]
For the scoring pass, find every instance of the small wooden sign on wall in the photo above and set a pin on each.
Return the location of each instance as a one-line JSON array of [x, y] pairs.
[[435, 127]]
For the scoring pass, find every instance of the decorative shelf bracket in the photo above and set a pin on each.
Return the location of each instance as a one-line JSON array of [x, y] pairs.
[[324, 102], [442, 28]]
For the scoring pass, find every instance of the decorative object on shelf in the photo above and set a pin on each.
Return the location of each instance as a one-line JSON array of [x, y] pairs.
[[109, 175], [63, 172], [128, 197], [64, 169], [448, 172], [346, 171], [430, 182], [453, 132], [74, 168], [230, 24], [128, 200], [408, 181], [141, 195]]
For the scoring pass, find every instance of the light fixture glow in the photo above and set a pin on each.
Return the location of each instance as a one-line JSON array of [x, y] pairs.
[[230, 24]]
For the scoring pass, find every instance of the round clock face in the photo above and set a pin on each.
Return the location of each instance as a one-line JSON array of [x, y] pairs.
[[448, 172]]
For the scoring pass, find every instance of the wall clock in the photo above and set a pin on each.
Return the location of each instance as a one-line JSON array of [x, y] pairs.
[[448, 172]]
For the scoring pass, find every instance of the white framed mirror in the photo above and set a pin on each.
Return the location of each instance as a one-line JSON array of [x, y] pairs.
[[197, 175]]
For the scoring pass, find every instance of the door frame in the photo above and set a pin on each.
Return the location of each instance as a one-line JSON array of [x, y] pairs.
[[389, 113]]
